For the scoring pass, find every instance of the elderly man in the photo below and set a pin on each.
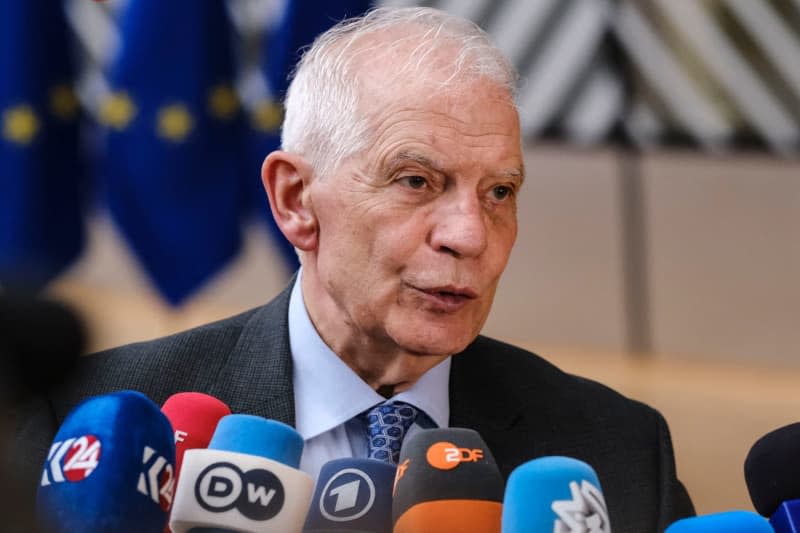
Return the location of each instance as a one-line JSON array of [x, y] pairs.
[[397, 184]]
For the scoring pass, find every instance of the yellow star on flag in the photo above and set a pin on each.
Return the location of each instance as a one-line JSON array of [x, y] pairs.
[[20, 124], [267, 116], [63, 102], [117, 111], [174, 122], [223, 102]]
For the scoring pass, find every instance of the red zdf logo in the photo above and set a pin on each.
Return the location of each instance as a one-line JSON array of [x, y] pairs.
[[446, 455], [157, 479], [72, 460]]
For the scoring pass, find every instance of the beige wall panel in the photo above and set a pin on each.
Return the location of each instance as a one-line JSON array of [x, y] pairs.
[[563, 284], [724, 254]]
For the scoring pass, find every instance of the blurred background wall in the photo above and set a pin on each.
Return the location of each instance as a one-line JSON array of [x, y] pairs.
[[658, 249]]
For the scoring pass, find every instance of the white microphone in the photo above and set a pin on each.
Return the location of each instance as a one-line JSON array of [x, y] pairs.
[[247, 480]]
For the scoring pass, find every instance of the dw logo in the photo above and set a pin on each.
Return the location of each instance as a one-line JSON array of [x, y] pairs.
[[157, 480], [257, 494], [71, 460], [347, 496]]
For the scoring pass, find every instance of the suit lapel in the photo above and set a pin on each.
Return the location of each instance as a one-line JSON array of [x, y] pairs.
[[480, 400], [257, 376]]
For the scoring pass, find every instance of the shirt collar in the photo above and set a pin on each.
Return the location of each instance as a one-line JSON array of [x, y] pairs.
[[327, 393]]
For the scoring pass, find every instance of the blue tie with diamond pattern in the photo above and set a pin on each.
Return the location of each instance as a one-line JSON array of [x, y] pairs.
[[387, 424]]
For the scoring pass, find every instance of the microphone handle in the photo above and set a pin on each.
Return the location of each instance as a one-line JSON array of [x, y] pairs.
[[786, 519]]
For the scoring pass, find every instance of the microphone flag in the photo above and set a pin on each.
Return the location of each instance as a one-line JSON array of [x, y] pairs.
[[247, 480], [43, 174], [110, 468], [447, 481], [352, 495], [172, 163], [297, 27], [558, 494]]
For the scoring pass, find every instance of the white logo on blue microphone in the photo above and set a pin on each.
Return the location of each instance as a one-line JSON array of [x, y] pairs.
[[347, 496], [586, 512], [157, 479]]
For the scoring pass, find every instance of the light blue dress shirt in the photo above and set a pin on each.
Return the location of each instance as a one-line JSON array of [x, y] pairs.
[[329, 396]]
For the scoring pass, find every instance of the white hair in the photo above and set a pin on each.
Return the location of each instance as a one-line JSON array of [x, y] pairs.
[[323, 121]]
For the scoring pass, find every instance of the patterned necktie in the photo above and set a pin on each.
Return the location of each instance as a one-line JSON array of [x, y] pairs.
[[386, 425]]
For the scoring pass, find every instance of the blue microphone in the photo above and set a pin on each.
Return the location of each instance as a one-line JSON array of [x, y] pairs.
[[727, 522], [247, 480], [110, 468], [772, 473], [554, 494], [353, 495]]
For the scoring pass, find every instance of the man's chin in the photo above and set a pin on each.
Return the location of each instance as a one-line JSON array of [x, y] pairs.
[[437, 347]]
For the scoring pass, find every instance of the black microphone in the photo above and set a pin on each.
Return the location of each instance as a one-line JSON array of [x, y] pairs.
[[772, 473], [448, 482], [40, 341], [354, 496]]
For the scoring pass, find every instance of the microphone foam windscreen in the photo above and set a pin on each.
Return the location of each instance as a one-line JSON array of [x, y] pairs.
[[554, 494], [727, 522], [352, 495], [772, 469], [447, 481], [253, 435], [110, 468], [40, 340], [237, 484], [194, 417]]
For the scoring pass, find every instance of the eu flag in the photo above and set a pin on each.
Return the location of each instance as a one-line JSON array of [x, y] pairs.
[[300, 23], [173, 165], [41, 229]]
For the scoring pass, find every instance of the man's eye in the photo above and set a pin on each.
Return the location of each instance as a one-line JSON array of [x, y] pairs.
[[501, 192], [415, 182]]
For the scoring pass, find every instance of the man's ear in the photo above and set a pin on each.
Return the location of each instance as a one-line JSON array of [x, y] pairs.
[[286, 178]]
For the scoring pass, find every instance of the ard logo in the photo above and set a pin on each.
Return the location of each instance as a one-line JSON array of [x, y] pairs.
[[72, 460]]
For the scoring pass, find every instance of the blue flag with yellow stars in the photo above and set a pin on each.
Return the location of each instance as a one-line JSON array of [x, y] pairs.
[[300, 23], [173, 160], [41, 171]]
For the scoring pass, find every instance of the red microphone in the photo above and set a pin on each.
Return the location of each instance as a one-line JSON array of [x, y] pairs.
[[194, 418]]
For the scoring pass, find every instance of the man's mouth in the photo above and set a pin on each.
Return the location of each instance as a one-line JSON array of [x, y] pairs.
[[448, 298]]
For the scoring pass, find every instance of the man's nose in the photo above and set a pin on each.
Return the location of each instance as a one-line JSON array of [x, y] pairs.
[[460, 228]]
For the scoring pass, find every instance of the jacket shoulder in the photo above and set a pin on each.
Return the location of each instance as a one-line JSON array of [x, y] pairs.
[[188, 360]]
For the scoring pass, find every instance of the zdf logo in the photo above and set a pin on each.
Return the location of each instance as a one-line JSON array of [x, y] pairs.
[[446, 455], [257, 494], [157, 480], [72, 460]]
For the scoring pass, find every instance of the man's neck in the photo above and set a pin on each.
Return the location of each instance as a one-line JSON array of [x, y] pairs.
[[383, 365]]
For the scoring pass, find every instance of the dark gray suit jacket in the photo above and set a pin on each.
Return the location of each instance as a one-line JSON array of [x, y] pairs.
[[521, 405]]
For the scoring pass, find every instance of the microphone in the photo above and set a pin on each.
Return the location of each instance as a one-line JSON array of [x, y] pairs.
[[558, 494], [247, 480], [110, 468], [448, 482], [727, 522], [353, 495], [40, 341], [194, 417], [772, 474]]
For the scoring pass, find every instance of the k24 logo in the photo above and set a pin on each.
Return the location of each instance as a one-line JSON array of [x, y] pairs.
[[157, 480], [72, 460]]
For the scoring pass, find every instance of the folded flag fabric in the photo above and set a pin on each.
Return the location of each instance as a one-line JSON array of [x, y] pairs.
[[173, 164], [42, 174]]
